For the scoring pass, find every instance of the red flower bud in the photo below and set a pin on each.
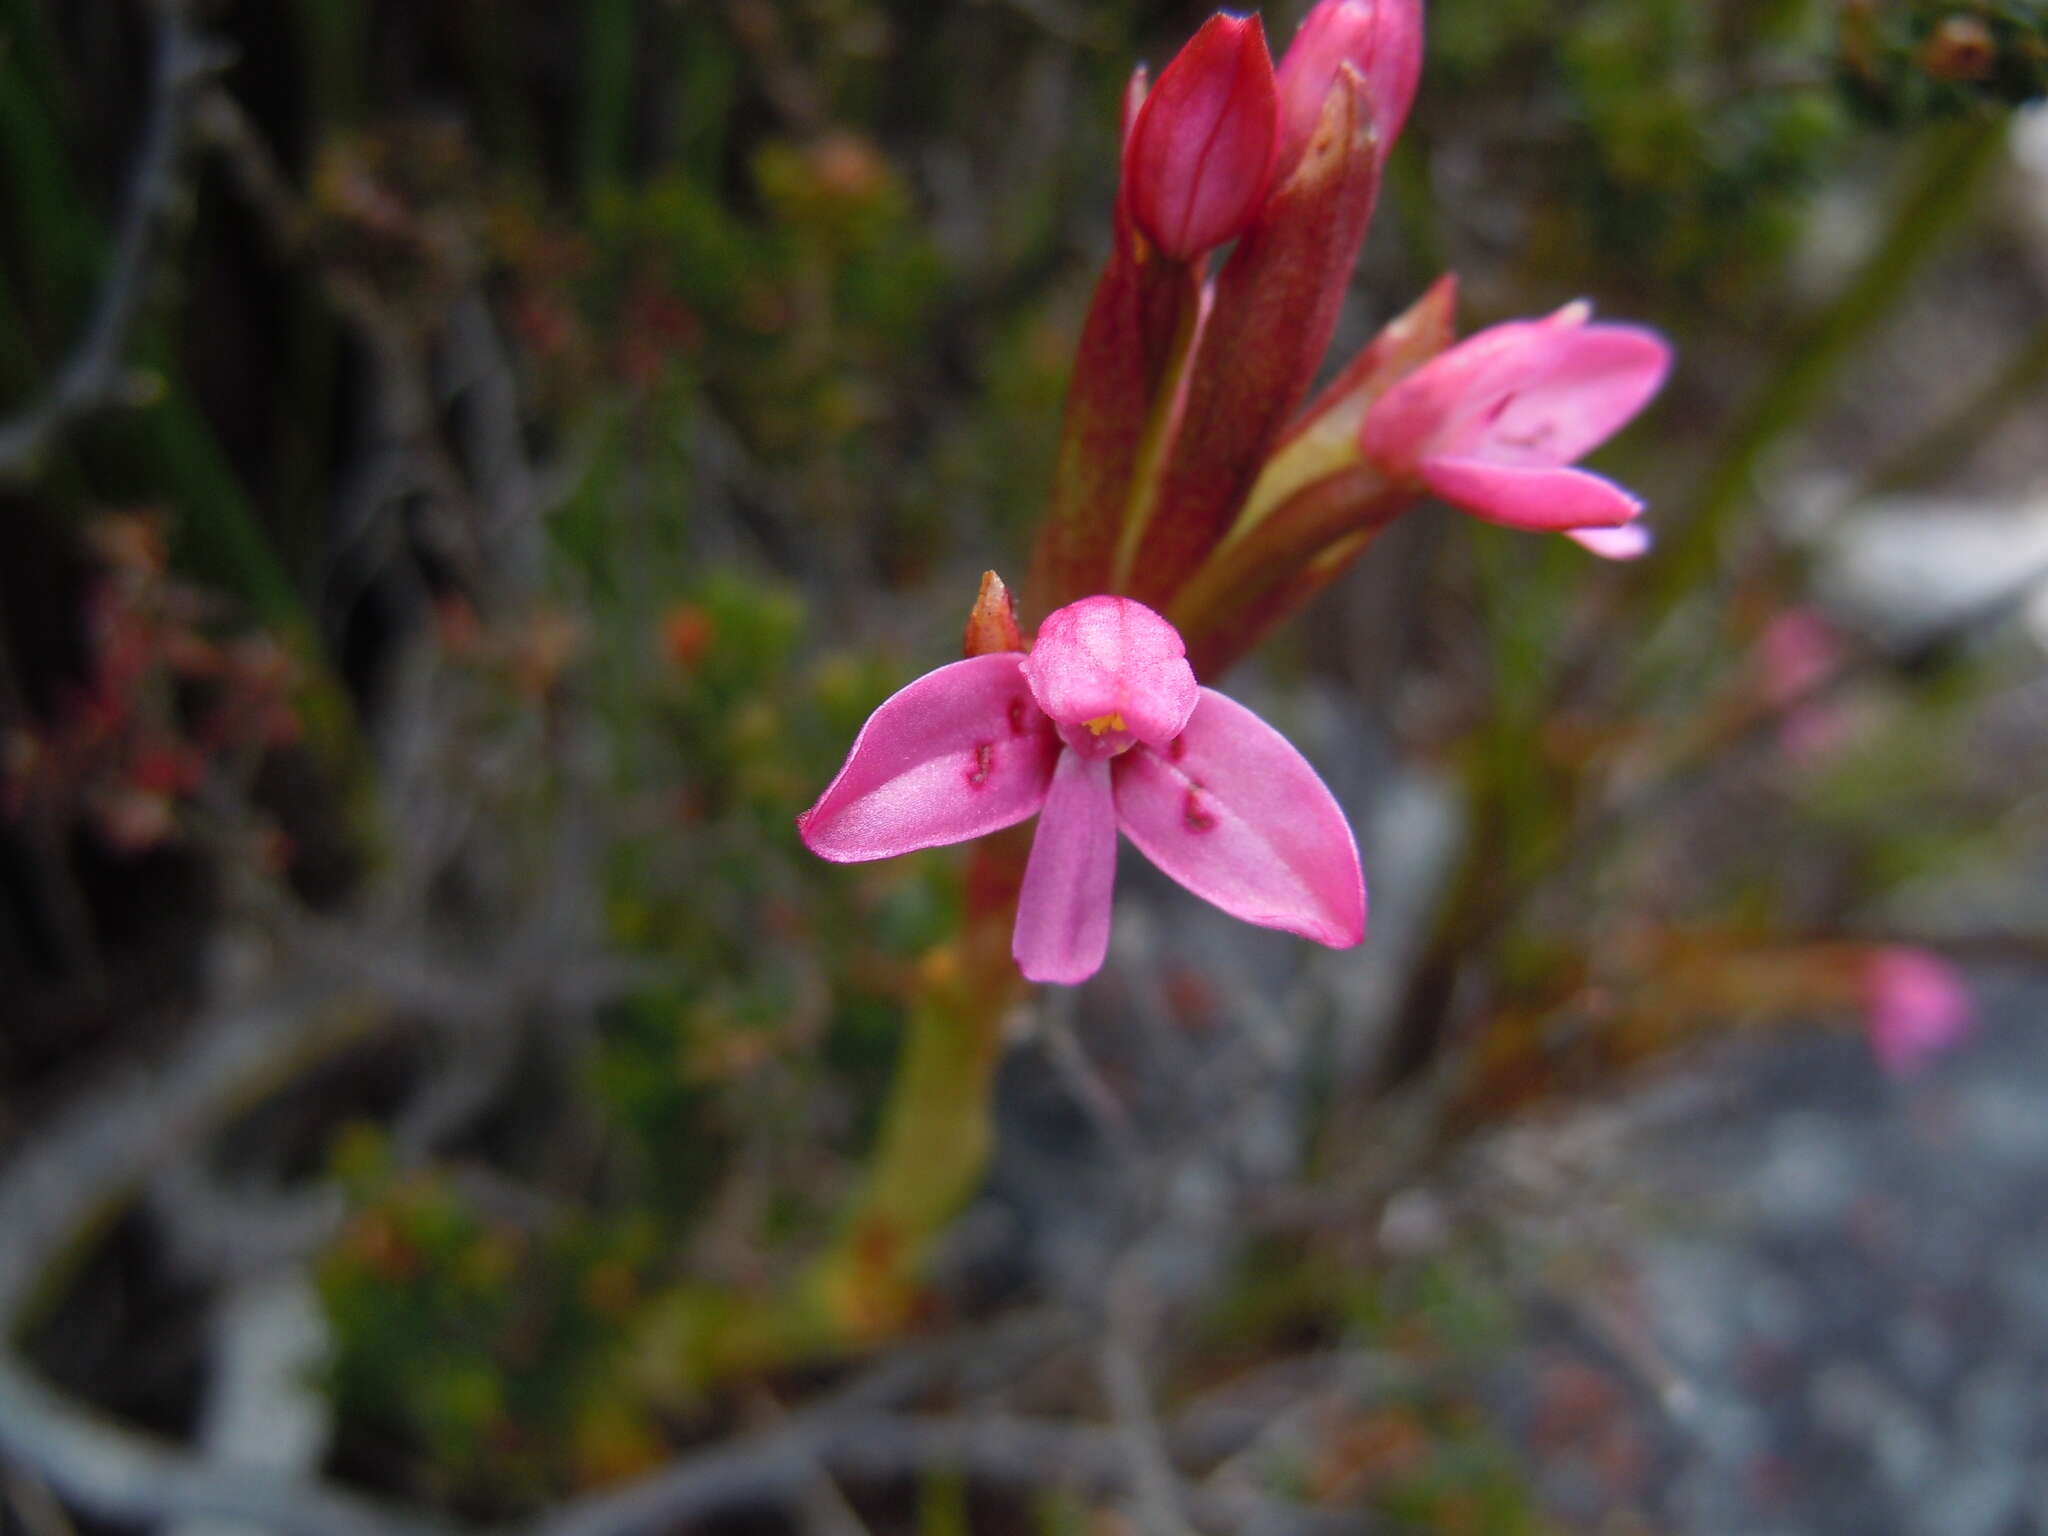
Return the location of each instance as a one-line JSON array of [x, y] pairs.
[[1381, 39], [1198, 156]]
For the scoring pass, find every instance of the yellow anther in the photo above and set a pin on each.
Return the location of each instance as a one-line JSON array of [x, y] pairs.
[[1109, 722]]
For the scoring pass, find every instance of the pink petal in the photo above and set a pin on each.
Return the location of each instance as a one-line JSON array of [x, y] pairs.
[[1437, 408], [1590, 382], [1544, 499], [1526, 392], [1062, 929], [1380, 39], [1236, 815], [960, 752], [1631, 541], [1109, 657]]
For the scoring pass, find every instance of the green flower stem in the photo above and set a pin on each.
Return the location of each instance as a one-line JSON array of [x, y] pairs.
[[936, 1129]]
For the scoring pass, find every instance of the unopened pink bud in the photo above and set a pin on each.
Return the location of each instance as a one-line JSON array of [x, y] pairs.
[[1198, 157], [1380, 39]]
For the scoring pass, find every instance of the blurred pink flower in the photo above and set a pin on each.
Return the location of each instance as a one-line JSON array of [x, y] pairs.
[[1101, 727], [1200, 149], [1798, 652], [1915, 1007], [1494, 424]]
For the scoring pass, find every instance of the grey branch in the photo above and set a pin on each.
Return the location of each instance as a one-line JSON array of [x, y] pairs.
[[96, 374], [1006, 1449], [84, 1165]]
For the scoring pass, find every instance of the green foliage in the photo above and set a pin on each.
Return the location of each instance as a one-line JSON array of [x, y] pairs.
[[1469, 1480], [1677, 138], [1909, 61], [491, 1349], [734, 1087], [789, 309], [1893, 803], [797, 962], [1701, 179], [1423, 1453]]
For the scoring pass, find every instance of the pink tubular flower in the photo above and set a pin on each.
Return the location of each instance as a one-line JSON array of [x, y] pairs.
[[1100, 727], [1915, 1008], [1380, 39], [1493, 425], [1201, 147]]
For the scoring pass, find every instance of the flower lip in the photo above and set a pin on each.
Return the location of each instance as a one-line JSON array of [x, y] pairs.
[[1109, 672]]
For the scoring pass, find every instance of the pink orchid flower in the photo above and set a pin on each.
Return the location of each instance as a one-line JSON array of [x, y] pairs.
[[1493, 425], [1100, 727], [1915, 1008]]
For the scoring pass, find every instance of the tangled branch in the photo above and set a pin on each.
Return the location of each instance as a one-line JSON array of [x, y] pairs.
[[96, 374]]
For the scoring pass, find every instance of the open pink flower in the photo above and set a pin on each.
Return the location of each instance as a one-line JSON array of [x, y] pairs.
[[1915, 1007], [1100, 727], [1493, 425]]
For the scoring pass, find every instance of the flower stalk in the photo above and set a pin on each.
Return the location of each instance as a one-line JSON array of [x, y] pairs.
[[1197, 502]]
